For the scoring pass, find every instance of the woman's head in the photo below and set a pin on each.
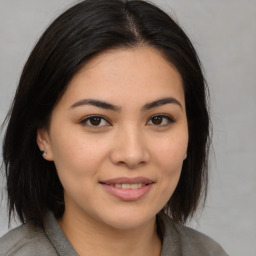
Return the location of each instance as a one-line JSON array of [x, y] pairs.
[[118, 137], [82, 34]]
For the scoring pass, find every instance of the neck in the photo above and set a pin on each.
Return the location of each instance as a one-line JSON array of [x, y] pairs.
[[89, 237]]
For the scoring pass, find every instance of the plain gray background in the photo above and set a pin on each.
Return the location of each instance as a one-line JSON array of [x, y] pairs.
[[224, 33]]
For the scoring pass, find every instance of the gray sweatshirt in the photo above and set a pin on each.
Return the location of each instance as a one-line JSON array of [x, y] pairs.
[[28, 240]]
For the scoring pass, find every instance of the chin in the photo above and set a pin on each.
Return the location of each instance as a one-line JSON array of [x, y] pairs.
[[126, 221]]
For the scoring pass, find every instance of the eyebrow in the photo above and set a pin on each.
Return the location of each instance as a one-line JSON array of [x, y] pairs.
[[161, 102], [109, 106], [96, 103]]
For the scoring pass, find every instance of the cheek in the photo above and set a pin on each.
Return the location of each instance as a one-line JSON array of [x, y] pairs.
[[169, 159], [77, 157], [172, 151]]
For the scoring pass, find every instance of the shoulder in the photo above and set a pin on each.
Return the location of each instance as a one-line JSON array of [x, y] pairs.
[[26, 240], [192, 242], [202, 244]]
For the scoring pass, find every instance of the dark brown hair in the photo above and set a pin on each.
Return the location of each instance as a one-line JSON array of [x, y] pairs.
[[77, 35]]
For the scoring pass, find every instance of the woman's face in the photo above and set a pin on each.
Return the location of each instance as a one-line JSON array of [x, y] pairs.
[[118, 137]]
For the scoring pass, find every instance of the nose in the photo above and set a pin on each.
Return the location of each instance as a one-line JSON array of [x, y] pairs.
[[130, 149]]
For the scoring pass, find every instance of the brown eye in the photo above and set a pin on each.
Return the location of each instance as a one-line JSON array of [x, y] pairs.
[[95, 121], [157, 120], [160, 120]]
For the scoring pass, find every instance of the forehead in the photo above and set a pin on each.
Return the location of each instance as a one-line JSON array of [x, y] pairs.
[[122, 75]]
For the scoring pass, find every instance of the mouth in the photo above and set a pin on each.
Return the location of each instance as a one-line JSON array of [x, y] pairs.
[[128, 186], [128, 189]]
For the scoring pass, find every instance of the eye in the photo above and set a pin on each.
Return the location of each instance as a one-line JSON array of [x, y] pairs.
[[95, 121], [160, 120]]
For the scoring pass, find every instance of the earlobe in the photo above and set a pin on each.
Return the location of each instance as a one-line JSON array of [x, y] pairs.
[[44, 144]]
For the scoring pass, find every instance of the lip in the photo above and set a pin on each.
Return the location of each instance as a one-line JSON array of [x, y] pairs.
[[128, 194], [126, 180]]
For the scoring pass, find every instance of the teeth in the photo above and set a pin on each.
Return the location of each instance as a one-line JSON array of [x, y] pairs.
[[129, 186], [126, 186]]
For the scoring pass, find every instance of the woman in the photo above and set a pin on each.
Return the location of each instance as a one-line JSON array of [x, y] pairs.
[[108, 134]]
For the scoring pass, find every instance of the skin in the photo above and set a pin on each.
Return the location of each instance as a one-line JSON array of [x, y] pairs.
[[128, 142]]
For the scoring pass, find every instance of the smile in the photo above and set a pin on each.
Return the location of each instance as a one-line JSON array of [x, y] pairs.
[[128, 189], [128, 186]]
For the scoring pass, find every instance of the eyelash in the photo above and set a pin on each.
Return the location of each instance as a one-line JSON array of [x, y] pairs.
[[169, 119], [84, 121]]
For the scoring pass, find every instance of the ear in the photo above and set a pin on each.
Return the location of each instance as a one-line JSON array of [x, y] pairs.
[[44, 144]]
